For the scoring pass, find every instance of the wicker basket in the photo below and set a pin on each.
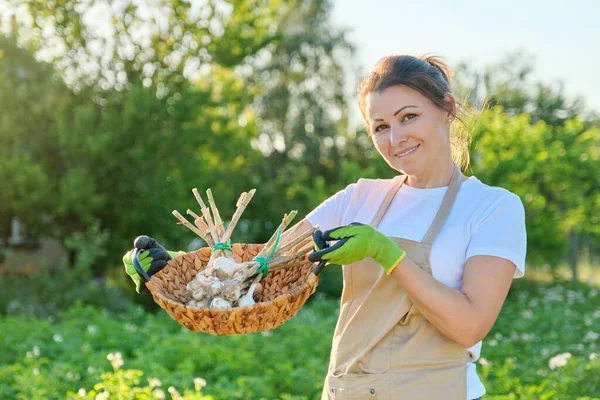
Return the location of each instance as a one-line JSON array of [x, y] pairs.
[[284, 293]]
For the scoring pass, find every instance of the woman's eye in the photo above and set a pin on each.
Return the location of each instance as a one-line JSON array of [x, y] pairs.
[[408, 117], [380, 128]]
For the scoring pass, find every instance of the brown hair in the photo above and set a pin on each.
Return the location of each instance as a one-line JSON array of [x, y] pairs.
[[430, 76]]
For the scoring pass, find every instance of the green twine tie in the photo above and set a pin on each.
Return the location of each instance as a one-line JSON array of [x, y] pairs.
[[222, 246], [264, 261]]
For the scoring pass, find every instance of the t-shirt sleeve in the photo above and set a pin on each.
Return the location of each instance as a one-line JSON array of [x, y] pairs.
[[329, 214], [501, 232]]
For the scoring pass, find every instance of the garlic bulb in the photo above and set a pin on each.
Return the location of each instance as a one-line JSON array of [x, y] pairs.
[[216, 288], [259, 289], [224, 268], [232, 290], [201, 286], [219, 302], [248, 299], [202, 303], [200, 294]]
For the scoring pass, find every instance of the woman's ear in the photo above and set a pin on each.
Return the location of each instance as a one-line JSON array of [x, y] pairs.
[[450, 104]]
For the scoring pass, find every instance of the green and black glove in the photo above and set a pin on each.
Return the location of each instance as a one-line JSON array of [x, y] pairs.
[[356, 242], [153, 258]]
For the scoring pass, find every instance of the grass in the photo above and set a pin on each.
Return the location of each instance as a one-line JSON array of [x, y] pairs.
[[545, 345]]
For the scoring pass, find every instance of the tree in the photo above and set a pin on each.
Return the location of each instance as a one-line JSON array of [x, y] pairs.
[[555, 171], [148, 117], [27, 126], [510, 84]]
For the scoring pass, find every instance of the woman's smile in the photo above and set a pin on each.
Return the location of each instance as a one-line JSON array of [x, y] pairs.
[[403, 153]]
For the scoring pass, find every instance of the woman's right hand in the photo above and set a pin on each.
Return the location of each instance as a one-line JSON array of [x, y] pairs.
[[152, 258]]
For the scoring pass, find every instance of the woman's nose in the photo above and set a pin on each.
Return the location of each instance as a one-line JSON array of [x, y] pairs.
[[397, 134]]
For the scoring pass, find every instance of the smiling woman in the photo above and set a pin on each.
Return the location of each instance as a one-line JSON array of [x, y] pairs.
[[428, 257], [407, 97]]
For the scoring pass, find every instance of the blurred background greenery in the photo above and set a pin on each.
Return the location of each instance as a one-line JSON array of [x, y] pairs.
[[105, 129]]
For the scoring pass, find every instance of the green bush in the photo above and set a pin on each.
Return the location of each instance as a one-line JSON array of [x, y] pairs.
[[46, 291], [545, 345]]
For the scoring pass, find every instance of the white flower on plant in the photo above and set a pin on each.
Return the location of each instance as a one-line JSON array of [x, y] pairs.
[[493, 342], [129, 327], [591, 336], [154, 382], [199, 383], [522, 296], [484, 361], [593, 356], [116, 360], [35, 352], [534, 303], [569, 312], [527, 314], [596, 314], [528, 337], [57, 338], [576, 296], [82, 392], [545, 352], [91, 370], [92, 329], [158, 394], [174, 393], [102, 396], [267, 333], [593, 293], [554, 294], [36, 371], [559, 360], [587, 321]]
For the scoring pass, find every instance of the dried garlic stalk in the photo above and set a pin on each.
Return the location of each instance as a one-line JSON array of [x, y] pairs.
[[225, 283]]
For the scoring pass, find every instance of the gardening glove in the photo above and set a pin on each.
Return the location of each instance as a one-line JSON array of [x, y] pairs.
[[152, 259], [320, 244], [356, 242]]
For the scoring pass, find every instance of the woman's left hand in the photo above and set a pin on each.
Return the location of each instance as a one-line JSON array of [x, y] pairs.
[[356, 242]]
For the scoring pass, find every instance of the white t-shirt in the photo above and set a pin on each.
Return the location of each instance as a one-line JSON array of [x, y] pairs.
[[484, 220]]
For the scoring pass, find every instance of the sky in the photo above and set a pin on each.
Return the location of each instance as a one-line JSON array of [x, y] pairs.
[[561, 36]]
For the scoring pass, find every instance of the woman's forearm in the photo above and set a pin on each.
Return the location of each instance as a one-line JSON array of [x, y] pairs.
[[448, 309]]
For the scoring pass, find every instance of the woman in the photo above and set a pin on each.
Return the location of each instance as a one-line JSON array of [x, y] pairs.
[[428, 257]]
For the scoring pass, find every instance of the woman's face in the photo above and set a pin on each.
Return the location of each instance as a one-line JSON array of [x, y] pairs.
[[409, 130]]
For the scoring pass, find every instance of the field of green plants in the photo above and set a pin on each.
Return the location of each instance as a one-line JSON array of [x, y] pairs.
[[104, 132], [545, 345]]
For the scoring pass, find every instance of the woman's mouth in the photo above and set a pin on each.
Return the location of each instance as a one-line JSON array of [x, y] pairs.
[[406, 152]]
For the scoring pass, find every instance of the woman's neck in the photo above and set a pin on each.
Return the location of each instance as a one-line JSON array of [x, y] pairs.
[[438, 176]]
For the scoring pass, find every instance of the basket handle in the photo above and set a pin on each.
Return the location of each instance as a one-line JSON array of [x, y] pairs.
[[138, 267]]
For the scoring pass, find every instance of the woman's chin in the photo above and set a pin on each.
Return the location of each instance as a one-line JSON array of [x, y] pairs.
[[408, 168]]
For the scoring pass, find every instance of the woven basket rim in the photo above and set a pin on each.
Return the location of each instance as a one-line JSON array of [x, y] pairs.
[[311, 276]]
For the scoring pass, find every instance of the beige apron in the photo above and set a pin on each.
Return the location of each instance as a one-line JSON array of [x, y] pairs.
[[383, 347]]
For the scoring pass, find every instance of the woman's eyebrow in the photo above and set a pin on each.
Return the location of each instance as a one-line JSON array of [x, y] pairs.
[[397, 112]]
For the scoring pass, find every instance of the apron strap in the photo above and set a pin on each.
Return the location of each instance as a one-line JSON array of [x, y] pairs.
[[387, 200], [442, 214], [444, 211]]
